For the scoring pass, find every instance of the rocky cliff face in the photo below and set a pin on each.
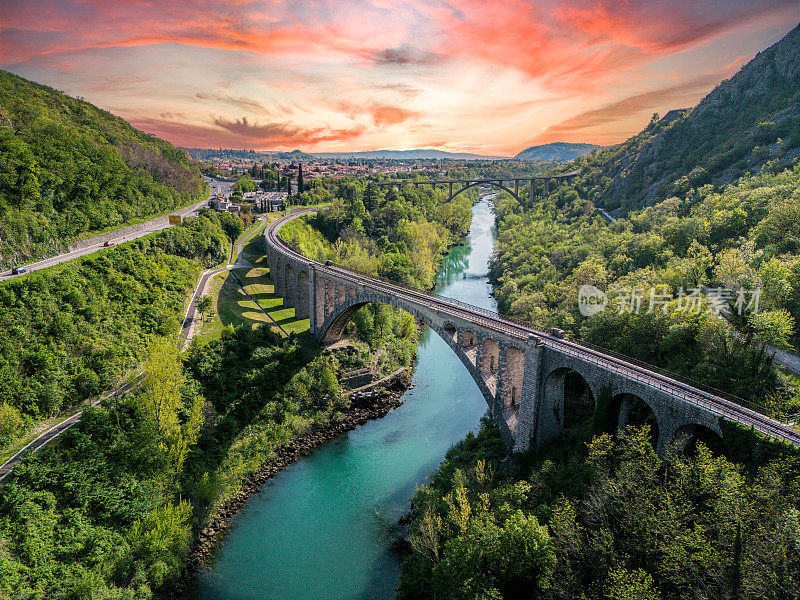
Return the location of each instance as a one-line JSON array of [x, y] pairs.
[[745, 122]]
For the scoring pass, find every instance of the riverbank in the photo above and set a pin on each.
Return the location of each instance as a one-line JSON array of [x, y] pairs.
[[286, 455], [324, 527]]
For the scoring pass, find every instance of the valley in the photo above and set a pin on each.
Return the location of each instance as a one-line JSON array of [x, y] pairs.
[[430, 373]]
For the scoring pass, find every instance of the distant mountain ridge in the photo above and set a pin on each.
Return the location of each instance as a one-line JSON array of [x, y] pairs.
[[556, 151], [746, 122]]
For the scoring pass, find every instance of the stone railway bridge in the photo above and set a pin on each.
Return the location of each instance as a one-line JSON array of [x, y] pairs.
[[520, 371]]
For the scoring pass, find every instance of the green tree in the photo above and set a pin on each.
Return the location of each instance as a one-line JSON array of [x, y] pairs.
[[204, 305], [301, 186]]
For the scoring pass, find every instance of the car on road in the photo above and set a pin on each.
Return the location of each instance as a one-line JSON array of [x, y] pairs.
[[19, 270], [107, 244]]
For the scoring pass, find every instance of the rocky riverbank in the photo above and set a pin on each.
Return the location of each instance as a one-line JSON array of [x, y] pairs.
[[284, 456]]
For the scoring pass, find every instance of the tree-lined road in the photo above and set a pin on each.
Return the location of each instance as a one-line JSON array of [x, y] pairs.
[[125, 234]]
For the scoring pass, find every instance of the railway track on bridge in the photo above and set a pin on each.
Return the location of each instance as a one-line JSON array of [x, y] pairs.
[[712, 403]]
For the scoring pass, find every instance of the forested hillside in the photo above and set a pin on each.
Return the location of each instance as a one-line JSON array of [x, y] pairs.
[[68, 333], [68, 167], [397, 234], [747, 121]]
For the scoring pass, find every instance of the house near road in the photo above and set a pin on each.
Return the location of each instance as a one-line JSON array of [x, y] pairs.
[[220, 203]]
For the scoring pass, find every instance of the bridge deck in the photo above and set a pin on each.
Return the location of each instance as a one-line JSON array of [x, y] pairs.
[[694, 396]]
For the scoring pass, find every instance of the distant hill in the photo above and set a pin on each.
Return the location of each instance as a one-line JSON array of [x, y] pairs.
[[422, 153], [293, 155], [68, 167], [747, 121], [556, 151]]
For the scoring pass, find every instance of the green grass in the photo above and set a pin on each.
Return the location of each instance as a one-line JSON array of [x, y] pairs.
[[233, 307]]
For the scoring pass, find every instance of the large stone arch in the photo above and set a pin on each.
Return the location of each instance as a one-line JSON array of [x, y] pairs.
[[302, 309], [333, 326], [553, 413]]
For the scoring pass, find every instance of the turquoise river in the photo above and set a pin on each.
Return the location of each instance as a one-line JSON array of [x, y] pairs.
[[323, 528]]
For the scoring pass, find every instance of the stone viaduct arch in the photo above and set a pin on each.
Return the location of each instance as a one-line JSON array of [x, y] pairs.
[[520, 372]]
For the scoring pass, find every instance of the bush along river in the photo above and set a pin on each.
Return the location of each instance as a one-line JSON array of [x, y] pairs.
[[323, 528]]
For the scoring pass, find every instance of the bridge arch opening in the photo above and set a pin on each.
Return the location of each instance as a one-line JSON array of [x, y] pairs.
[[469, 345], [687, 440], [450, 330], [631, 410], [569, 398], [468, 339], [499, 186]]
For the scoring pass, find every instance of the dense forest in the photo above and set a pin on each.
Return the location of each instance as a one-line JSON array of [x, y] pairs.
[[68, 168], [601, 516], [399, 234], [69, 332], [745, 237], [111, 509], [749, 120]]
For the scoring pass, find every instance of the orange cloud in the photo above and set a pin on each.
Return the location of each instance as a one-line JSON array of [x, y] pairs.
[[574, 127], [242, 133], [395, 73]]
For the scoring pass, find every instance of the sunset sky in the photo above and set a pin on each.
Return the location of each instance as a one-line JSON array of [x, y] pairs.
[[490, 77]]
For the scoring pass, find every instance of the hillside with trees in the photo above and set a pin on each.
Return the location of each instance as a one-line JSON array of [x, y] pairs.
[[68, 333], [556, 151], [746, 122], [68, 168]]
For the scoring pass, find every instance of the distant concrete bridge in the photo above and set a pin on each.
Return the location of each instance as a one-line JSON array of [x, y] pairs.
[[512, 185], [520, 371]]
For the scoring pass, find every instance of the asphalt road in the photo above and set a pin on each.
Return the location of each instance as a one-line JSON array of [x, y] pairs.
[[124, 234], [59, 428]]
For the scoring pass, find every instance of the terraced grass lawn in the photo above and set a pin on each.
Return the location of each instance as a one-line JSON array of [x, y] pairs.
[[234, 307]]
